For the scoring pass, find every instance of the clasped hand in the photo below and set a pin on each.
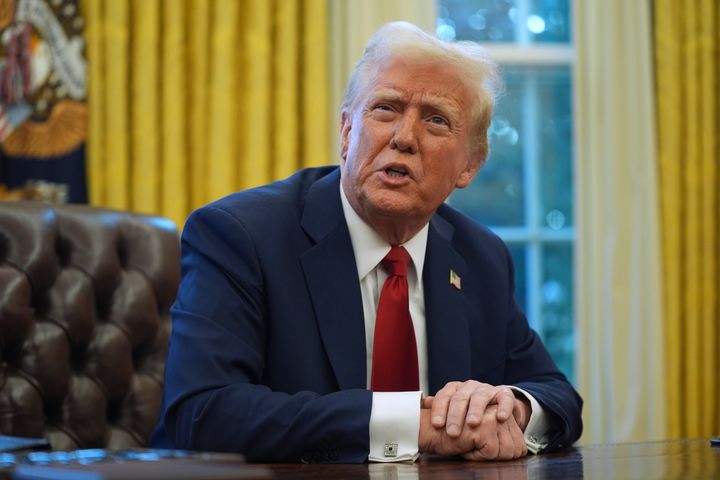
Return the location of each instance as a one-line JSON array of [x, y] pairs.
[[475, 420]]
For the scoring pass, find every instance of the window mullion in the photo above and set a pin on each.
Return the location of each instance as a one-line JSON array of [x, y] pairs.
[[522, 34], [531, 55]]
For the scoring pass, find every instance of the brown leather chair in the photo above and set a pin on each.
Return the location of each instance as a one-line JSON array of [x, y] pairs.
[[84, 323]]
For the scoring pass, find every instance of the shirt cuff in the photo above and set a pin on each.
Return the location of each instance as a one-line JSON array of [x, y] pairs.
[[537, 429], [394, 426]]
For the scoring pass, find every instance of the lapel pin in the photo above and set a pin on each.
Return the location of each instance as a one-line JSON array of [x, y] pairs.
[[455, 280]]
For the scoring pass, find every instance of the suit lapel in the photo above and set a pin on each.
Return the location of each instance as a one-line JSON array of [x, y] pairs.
[[332, 280], [446, 309]]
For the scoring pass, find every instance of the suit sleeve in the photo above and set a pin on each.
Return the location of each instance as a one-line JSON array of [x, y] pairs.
[[530, 367], [214, 398]]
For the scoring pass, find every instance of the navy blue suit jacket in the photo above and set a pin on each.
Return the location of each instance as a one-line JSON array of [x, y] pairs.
[[267, 353]]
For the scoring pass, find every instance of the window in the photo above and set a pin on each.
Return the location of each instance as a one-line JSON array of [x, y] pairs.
[[525, 190]]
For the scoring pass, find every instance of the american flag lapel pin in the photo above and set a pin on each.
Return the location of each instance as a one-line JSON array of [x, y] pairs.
[[455, 280]]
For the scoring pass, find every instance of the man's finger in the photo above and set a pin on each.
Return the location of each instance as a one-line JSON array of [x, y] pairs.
[[506, 442], [518, 439], [440, 404], [491, 447], [458, 407], [506, 403], [479, 401]]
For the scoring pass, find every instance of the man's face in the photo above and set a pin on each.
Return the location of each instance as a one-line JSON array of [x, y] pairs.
[[405, 141]]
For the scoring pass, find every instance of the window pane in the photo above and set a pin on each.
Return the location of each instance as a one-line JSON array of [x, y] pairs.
[[479, 20], [557, 305], [508, 21], [550, 21], [495, 198], [555, 146]]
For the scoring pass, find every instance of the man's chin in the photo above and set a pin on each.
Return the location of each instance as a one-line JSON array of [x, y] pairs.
[[394, 205], [398, 212]]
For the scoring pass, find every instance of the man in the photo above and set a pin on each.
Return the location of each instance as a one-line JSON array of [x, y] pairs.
[[309, 306]]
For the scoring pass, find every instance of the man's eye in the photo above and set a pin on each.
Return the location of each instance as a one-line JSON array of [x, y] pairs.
[[438, 120], [383, 106]]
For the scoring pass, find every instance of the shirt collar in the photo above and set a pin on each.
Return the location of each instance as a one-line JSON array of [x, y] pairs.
[[370, 248]]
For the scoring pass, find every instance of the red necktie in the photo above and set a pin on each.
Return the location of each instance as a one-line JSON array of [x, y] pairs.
[[395, 361]]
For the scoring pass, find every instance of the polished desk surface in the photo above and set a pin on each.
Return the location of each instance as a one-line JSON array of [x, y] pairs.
[[681, 459]]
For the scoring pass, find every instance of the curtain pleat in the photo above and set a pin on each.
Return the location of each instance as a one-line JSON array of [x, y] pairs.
[[116, 101], [256, 119], [709, 63], [198, 74], [192, 100], [285, 66], [315, 74], [687, 39], [95, 162], [222, 160], [174, 183], [145, 103]]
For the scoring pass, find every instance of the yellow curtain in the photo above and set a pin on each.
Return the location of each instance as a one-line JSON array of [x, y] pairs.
[[620, 344], [687, 39], [190, 100]]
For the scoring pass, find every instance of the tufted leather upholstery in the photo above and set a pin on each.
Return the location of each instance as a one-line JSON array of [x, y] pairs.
[[84, 322]]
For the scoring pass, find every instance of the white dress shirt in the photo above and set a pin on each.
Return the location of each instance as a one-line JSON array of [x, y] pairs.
[[395, 416]]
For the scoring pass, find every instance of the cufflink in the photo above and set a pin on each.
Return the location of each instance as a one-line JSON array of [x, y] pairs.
[[391, 449]]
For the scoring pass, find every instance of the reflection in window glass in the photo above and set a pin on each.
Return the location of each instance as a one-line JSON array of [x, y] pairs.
[[549, 21], [482, 21], [557, 305], [508, 21], [555, 146]]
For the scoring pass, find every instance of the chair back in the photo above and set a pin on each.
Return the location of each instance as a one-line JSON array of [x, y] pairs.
[[84, 321]]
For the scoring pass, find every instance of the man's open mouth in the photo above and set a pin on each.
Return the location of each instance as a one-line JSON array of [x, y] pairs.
[[396, 172]]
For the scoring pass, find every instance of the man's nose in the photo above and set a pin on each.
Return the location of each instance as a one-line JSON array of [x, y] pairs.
[[405, 136]]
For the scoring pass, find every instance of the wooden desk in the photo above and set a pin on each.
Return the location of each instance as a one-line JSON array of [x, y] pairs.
[[682, 459]]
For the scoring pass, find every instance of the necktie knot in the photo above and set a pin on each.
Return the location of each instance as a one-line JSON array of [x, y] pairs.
[[396, 262]]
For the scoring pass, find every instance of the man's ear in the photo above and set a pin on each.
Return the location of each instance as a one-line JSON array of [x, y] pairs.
[[345, 127], [471, 169]]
